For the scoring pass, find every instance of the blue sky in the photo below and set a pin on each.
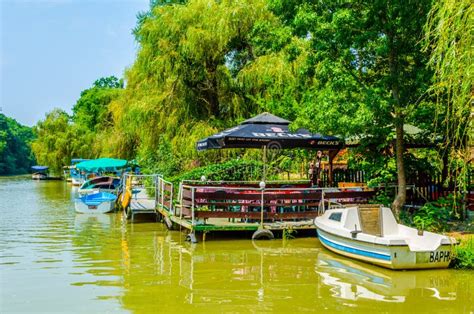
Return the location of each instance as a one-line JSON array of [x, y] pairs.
[[51, 50]]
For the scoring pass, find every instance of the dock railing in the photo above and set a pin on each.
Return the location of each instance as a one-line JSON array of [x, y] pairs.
[[199, 201], [164, 194], [139, 187]]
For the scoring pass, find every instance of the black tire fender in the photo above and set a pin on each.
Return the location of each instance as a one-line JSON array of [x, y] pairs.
[[263, 234]]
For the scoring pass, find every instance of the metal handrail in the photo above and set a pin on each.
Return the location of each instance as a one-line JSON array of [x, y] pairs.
[[249, 182], [160, 194], [266, 189], [263, 191], [142, 185]]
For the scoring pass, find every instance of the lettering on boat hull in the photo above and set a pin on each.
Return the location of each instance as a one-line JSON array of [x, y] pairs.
[[440, 256]]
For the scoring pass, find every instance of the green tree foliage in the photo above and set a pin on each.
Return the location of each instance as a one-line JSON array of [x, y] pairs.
[[201, 67], [92, 109], [15, 151], [53, 144], [449, 37], [369, 74], [109, 82], [85, 134]]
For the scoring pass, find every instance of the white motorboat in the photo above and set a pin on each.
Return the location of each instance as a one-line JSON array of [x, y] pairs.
[[39, 176], [371, 234], [101, 202], [77, 180], [105, 184], [40, 172]]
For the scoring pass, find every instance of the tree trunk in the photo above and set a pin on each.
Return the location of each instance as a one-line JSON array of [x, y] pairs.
[[395, 78], [402, 181]]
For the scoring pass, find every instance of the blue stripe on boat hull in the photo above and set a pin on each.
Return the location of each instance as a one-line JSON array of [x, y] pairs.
[[353, 250]]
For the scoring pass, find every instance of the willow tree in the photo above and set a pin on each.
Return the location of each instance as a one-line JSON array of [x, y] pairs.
[[369, 72], [187, 80], [85, 134], [52, 146], [449, 37]]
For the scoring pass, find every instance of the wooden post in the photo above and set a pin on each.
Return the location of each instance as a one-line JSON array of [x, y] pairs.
[[162, 194], [192, 207], [264, 163], [181, 192], [331, 154], [261, 209], [171, 200]]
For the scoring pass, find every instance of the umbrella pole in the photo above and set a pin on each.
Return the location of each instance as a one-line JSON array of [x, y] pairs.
[[262, 184], [264, 163]]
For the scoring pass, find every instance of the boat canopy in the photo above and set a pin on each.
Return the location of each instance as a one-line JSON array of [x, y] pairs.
[[271, 131], [40, 168], [77, 160], [102, 164]]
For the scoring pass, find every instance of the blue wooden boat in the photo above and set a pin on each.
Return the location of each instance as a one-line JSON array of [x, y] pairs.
[[101, 202]]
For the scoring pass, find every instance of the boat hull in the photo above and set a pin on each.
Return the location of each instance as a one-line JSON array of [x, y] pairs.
[[77, 181], [388, 256], [39, 176], [92, 191], [102, 208]]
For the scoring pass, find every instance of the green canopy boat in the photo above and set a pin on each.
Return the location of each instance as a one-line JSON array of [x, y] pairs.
[[102, 165]]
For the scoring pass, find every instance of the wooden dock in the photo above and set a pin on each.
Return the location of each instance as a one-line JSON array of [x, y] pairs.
[[229, 206], [224, 224], [142, 206], [138, 195], [246, 207]]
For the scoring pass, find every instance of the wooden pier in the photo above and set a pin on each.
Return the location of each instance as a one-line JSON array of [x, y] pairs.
[[245, 206], [138, 196], [203, 207]]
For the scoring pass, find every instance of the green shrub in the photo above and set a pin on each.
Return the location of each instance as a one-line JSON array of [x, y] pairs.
[[382, 198], [434, 216], [464, 254], [405, 218], [232, 170], [431, 217]]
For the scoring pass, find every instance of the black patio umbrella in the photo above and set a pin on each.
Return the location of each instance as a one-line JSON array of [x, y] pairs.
[[268, 131]]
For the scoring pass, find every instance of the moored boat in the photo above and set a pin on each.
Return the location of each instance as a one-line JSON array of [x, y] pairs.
[[371, 234], [90, 169], [39, 176], [67, 173], [77, 180], [76, 177], [106, 184], [101, 202], [40, 172]]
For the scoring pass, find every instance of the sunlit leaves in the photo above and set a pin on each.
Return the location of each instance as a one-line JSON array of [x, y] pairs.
[[449, 37]]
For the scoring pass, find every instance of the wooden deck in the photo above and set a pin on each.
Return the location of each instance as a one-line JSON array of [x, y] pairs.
[[224, 206], [226, 224], [141, 203], [142, 206]]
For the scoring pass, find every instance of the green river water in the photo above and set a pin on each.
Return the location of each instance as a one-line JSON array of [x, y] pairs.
[[54, 260]]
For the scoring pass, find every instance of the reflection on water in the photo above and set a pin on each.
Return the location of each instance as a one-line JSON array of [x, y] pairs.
[[53, 259], [353, 281]]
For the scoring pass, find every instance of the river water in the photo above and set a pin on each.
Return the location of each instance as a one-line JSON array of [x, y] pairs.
[[54, 260]]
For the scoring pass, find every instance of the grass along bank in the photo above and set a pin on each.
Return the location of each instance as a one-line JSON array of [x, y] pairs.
[[464, 252]]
